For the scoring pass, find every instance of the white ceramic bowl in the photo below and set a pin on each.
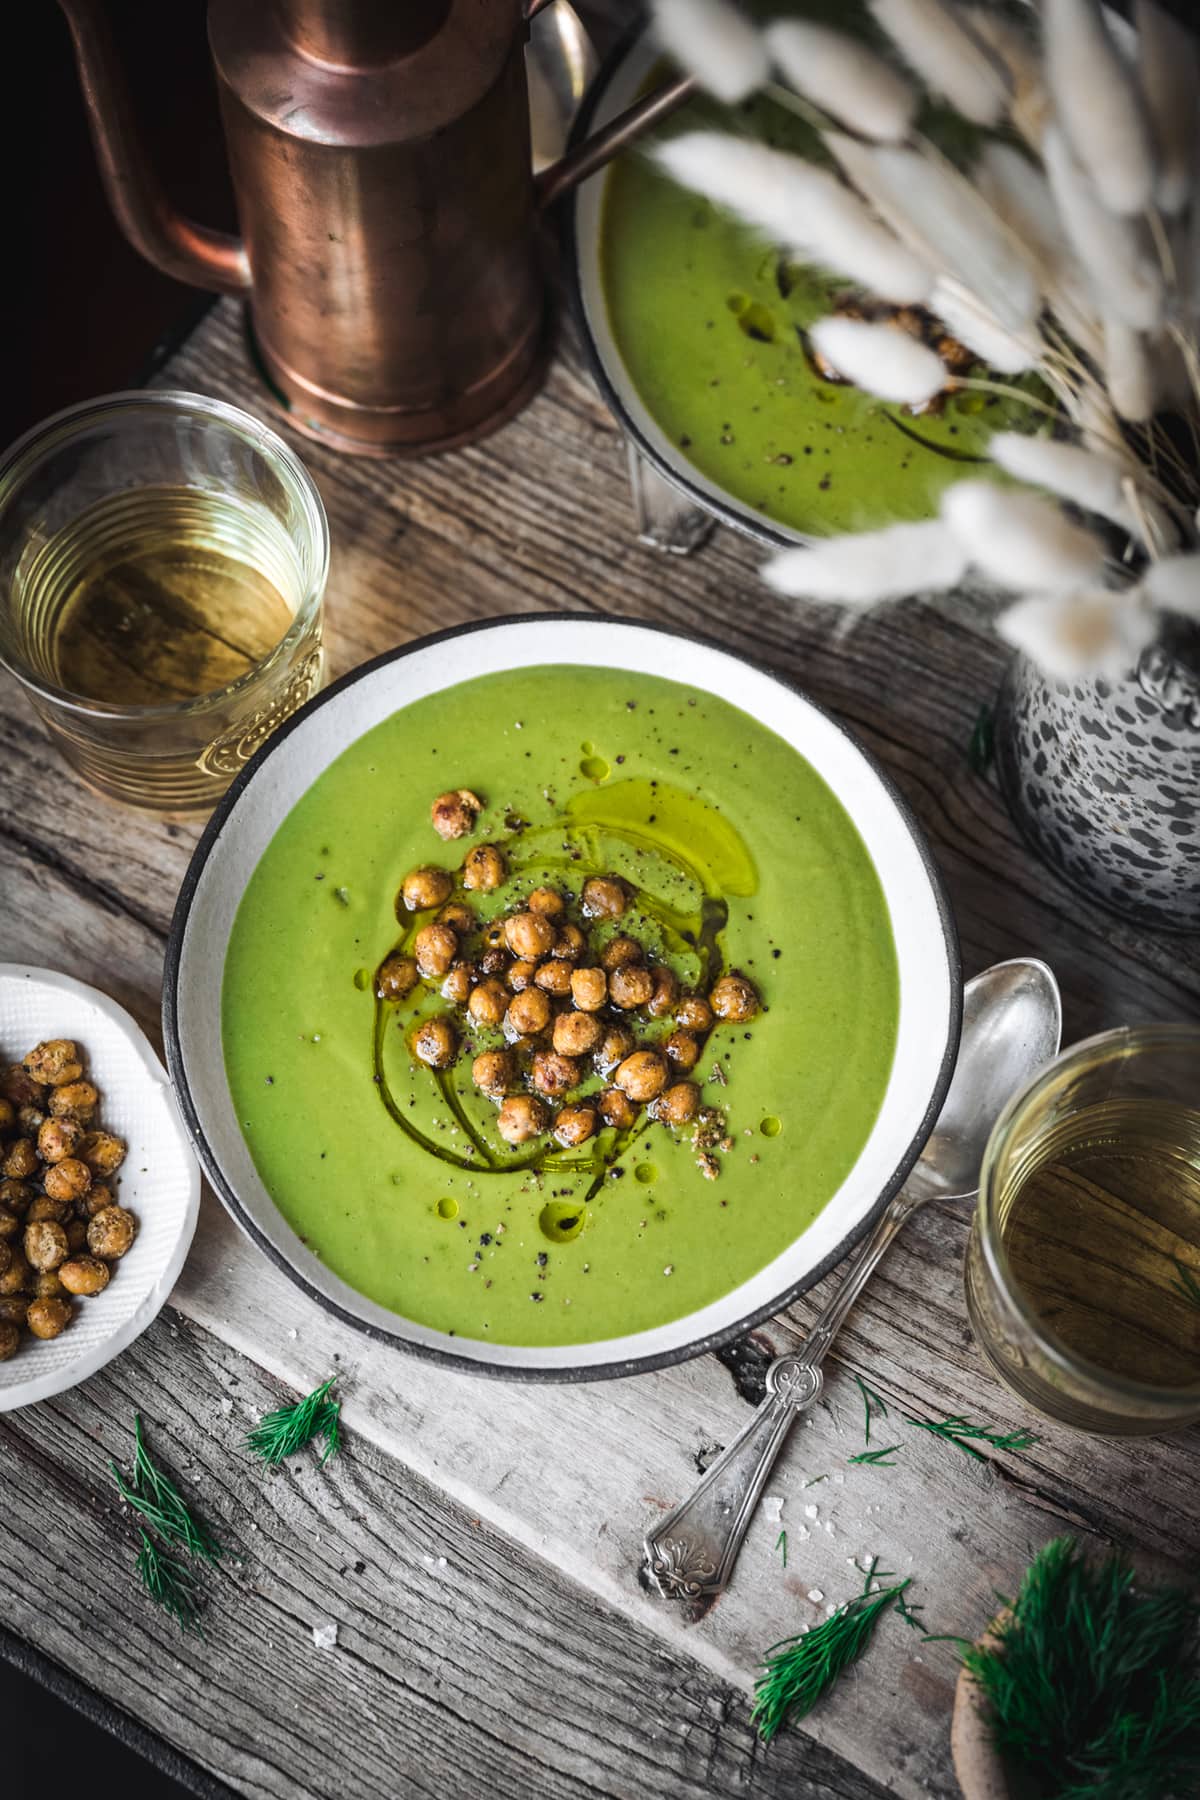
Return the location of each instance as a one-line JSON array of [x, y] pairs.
[[242, 827], [159, 1180]]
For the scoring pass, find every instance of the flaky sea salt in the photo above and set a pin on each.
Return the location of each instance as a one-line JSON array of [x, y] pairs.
[[815, 1595], [773, 1508], [325, 1636], [811, 1511]]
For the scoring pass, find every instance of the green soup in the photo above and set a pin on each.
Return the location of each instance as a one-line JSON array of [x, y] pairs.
[[736, 855]]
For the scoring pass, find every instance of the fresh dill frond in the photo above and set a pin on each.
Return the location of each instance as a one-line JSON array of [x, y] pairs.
[[154, 1495], [1186, 1282], [1093, 1685], [781, 1546], [877, 1458], [169, 1583], [959, 1431], [910, 1615], [872, 1403], [797, 1671], [282, 1433]]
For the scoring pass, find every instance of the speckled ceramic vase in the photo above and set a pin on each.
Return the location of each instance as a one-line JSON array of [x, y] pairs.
[[1103, 778]]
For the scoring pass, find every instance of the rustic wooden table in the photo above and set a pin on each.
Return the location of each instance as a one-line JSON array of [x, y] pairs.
[[478, 1543]]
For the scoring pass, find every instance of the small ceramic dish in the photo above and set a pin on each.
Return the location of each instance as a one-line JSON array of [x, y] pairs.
[[300, 751], [159, 1180]]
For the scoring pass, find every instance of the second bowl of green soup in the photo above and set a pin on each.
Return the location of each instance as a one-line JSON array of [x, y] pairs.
[[560, 996]]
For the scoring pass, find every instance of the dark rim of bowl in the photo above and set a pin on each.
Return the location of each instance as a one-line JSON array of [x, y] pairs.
[[633, 1365], [722, 506]]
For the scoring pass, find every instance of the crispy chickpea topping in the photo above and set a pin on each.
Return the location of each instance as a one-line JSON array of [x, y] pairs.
[[425, 887], [397, 977], [84, 1275], [48, 1318], [96, 1199], [677, 1105], [48, 1285], [615, 1045], [460, 979], [530, 934], [54, 1063], [617, 1109], [435, 948], [484, 869], [643, 1075], [554, 1075], [694, 1013], [18, 1087], [589, 989], [495, 960], [666, 992], [575, 1125], [487, 1001], [20, 1160], [548, 902], [630, 986], [619, 952], [458, 916], [8, 1115], [13, 1307], [576, 1033], [102, 1152], [10, 1339], [69, 1179], [111, 1232], [15, 1195], [45, 1245], [6, 1255], [454, 814], [521, 1117], [58, 1138], [554, 978], [10, 1225], [570, 943], [521, 974], [434, 1042], [528, 1014], [494, 1072], [76, 1230], [46, 1208], [734, 998], [683, 1049], [74, 1100], [604, 897], [18, 1275]]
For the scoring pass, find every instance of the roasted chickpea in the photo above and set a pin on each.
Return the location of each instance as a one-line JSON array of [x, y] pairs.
[[488, 1002], [458, 983], [734, 998], [68, 1180], [45, 1245], [102, 1152], [44, 1208], [54, 1062], [10, 1338], [666, 993], [494, 1072], [434, 1042], [425, 887], [396, 977], [18, 1087], [458, 916], [455, 813], [617, 1109], [570, 943], [548, 902], [484, 869], [74, 1100], [85, 1275], [18, 1275], [589, 989], [495, 960], [521, 1117], [76, 1230], [643, 1075], [20, 1160], [619, 952], [16, 1195], [554, 1075], [576, 1033], [529, 934], [10, 1225], [59, 1138], [6, 1255], [575, 1125], [47, 1286], [554, 978], [528, 1014], [694, 1013], [8, 1114], [683, 1050], [604, 897], [631, 986], [13, 1307], [48, 1318], [30, 1120], [615, 1045], [678, 1104], [435, 948], [95, 1200], [521, 974], [111, 1232]]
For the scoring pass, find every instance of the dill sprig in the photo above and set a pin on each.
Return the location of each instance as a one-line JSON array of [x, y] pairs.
[[797, 1671], [1186, 1282], [155, 1497], [872, 1404], [959, 1431], [1092, 1688], [781, 1546], [877, 1458], [281, 1433], [169, 1583]]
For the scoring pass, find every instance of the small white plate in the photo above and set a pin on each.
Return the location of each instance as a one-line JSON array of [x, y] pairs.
[[159, 1180]]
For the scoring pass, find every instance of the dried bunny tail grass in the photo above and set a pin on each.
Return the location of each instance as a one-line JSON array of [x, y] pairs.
[[1021, 540], [1169, 72], [1098, 105], [883, 359], [1020, 196], [1120, 274], [969, 321], [865, 568], [805, 209], [1173, 585], [1029, 106], [715, 43], [844, 78], [935, 40], [1091, 480], [1128, 372], [1092, 632]]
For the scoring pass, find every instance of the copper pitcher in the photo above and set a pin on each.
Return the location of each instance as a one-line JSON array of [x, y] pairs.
[[389, 250]]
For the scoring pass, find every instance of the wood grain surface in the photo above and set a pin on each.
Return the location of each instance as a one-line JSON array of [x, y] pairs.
[[545, 1686]]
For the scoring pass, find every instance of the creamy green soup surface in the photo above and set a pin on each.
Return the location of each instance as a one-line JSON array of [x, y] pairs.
[[738, 857]]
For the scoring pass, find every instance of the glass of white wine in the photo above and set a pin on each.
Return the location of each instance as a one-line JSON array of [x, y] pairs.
[[163, 559], [1083, 1267]]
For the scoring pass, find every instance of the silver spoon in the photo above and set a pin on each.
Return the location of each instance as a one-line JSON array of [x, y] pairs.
[[1012, 1025]]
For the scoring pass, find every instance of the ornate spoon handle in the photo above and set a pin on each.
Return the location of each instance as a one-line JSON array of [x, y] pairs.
[[692, 1551]]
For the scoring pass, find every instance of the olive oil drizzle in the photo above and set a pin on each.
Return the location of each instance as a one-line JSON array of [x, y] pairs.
[[697, 933]]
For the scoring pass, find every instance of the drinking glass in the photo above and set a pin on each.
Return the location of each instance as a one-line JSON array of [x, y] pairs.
[[1115, 1264], [163, 559]]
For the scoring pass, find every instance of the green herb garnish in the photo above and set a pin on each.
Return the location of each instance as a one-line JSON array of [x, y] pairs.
[[155, 1496], [1093, 1688], [878, 1458], [781, 1546], [797, 1671], [168, 1582], [872, 1403], [959, 1431], [280, 1434]]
